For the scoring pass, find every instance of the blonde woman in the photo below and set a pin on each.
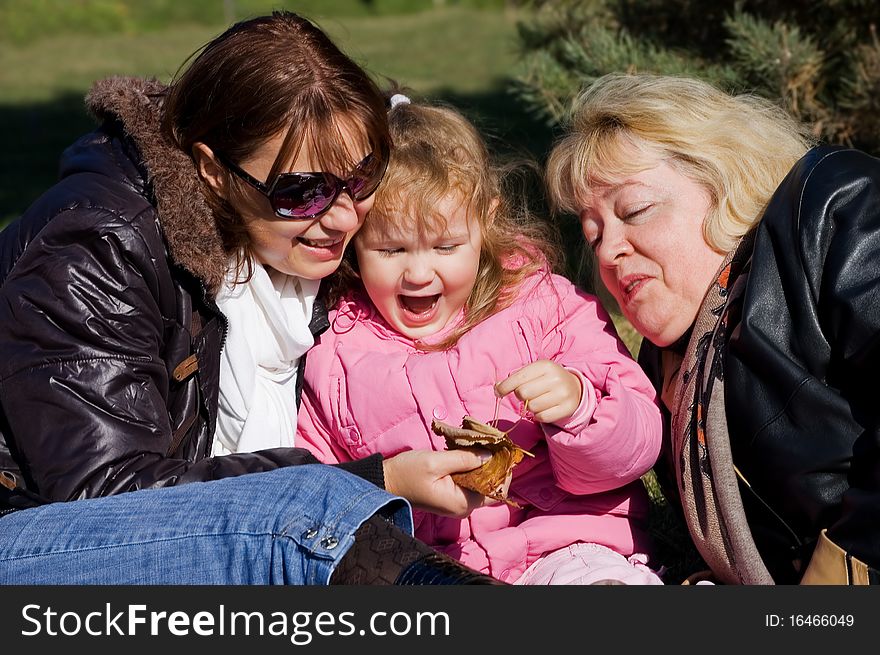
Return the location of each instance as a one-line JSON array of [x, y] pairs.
[[747, 260]]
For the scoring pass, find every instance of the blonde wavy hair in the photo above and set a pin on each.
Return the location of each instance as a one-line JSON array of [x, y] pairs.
[[738, 147], [438, 152]]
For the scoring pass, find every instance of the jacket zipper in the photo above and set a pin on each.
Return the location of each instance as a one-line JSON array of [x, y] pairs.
[[224, 331]]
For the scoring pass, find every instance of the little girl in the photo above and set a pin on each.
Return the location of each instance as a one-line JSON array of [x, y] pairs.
[[450, 304]]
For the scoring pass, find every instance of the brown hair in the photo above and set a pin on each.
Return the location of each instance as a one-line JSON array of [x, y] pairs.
[[438, 152], [262, 76]]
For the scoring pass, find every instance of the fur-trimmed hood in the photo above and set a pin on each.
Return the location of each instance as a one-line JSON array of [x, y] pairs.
[[184, 215]]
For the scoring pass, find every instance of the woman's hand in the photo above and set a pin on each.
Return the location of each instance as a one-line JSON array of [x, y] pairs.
[[422, 477], [552, 393]]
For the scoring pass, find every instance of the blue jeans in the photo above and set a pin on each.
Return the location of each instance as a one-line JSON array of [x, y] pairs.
[[288, 526]]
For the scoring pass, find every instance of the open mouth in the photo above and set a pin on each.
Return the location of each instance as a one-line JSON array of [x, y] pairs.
[[418, 306], [631, 286], [322, 250], [319, 243]]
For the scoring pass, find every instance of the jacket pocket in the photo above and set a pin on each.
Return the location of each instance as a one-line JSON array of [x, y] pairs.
[[543, 498], [346, 429], [537, 488]]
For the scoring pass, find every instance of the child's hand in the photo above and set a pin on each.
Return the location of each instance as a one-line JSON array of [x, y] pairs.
[[552, 392], [422, 477]]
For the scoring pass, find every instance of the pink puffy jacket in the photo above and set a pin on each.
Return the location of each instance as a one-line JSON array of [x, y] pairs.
[[368, 389]]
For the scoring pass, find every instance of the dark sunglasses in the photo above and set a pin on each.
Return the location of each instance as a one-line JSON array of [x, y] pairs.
[[298, 196]]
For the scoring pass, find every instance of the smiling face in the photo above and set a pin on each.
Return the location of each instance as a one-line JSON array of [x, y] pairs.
[[645, 230], [420, 281], [311, 248]]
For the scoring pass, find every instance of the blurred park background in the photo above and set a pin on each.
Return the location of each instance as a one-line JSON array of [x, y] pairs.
[[52, 50], [512, 66]]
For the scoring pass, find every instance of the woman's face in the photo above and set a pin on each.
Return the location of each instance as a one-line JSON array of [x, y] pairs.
[[646, 232], [309, 248]]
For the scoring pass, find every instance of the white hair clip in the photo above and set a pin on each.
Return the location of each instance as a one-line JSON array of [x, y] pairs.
[[398, 99]]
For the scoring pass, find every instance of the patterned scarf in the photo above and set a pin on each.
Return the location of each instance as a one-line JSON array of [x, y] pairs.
[[704, 470]]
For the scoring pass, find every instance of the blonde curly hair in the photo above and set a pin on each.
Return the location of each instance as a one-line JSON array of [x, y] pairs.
[[437, 153]]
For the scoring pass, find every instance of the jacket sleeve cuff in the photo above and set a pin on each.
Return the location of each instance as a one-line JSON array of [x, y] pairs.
[[832, 565], [369, 468], [584, 412]]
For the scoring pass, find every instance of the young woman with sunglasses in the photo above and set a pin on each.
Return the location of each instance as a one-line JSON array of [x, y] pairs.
[[155, 308]]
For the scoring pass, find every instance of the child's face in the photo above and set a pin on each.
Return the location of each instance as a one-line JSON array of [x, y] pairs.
[[419, 282]]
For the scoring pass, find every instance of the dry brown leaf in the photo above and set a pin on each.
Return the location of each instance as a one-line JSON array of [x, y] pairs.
[[493, 478]]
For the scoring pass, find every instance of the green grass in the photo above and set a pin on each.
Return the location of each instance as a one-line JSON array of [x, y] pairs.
[[23, 21], [460, 55], [41, 98]]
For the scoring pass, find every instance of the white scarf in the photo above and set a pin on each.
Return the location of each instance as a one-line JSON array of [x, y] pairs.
[[268, 332]]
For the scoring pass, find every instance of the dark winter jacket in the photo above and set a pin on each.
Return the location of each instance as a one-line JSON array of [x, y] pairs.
[[110, 338], [802, 366]]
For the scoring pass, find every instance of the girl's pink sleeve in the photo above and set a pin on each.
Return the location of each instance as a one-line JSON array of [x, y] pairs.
[[615, 435]]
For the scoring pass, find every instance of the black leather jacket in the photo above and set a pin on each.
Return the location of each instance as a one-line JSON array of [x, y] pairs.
[[109, 336], [802, 367]]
